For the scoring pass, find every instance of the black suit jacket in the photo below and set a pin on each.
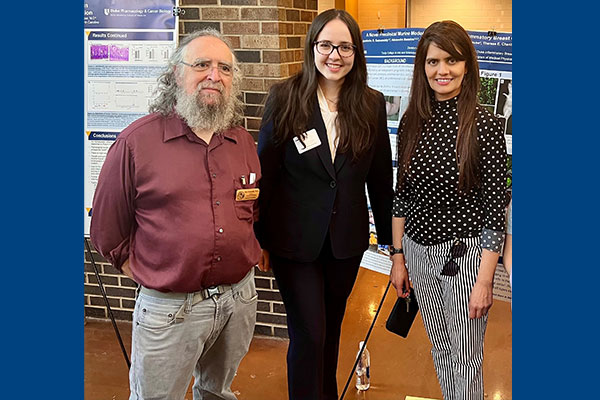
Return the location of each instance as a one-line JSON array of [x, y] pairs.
[[305, 196]]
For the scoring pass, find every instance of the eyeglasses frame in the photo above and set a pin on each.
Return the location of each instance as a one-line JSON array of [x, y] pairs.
[[195, 64], [333, 48]]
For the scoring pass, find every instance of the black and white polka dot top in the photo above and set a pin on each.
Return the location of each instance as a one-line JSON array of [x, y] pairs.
[[435, 211]]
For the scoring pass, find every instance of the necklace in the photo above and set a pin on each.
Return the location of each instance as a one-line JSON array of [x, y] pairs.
[[332, 101]]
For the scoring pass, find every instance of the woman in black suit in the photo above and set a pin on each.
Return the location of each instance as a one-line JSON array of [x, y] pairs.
[[323, 136]]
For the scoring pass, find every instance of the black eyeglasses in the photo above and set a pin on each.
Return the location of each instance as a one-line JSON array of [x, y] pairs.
[[457, 250], [326, 48]]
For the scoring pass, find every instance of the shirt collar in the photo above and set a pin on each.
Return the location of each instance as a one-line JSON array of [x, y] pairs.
[[230, 135], [175, 127]]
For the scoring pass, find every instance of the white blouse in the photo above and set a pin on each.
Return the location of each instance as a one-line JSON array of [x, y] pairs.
[[329, 117]]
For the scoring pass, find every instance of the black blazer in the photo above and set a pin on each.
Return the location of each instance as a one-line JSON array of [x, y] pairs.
[[305, 196]]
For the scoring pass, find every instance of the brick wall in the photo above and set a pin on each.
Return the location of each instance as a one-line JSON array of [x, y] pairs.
[[268, 39], [120, 290]]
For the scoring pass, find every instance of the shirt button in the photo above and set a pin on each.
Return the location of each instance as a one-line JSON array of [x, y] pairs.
[[214, 175], [219, 258], [218, 203], [332, 184], [220, 230]]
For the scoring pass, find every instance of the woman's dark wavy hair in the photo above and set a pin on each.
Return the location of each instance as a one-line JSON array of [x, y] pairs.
[[452, 38], [292, 102]]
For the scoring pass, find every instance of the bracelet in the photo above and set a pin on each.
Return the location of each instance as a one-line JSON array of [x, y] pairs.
[[394, 250]]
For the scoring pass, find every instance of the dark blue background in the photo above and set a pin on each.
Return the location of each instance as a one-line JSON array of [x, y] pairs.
[[556, 208], [42, 196]]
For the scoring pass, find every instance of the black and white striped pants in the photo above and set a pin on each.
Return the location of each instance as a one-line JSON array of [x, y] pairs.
[[457, 341]]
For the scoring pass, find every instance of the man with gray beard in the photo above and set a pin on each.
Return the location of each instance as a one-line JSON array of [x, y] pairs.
[[173, 210]]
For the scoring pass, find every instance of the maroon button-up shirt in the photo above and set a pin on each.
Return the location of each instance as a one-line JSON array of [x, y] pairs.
[[166, 200]]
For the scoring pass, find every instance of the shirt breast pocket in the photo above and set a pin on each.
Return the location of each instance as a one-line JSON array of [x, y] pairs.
[[244, 207]]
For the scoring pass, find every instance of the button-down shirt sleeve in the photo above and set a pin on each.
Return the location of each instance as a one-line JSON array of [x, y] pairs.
[[113, 200]]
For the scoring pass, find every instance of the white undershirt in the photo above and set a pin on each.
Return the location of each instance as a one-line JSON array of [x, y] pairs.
[[329, 117]]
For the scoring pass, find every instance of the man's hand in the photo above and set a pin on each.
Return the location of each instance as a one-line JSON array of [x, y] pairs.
[[126, 270], [263, 263]]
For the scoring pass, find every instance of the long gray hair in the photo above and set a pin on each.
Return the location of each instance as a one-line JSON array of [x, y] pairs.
[[166, 91]]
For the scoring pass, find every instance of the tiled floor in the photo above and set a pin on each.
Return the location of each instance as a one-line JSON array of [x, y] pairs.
[[399, 367]]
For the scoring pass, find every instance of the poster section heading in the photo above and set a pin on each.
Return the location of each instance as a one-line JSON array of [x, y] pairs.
[[112, 136], [130, 36], [120, 14]]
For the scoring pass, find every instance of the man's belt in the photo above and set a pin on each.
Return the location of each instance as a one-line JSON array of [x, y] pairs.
[[198, 296]]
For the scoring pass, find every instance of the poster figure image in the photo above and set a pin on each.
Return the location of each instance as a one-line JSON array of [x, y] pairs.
[[488, 93], [392, 107], [504, 105], [496, 95]]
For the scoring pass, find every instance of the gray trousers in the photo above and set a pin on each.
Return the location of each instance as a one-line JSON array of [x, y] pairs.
[[457, 341], [175, 339]]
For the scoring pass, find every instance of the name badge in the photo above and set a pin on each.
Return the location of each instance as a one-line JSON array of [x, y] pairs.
[[311, 140], [246, 194]]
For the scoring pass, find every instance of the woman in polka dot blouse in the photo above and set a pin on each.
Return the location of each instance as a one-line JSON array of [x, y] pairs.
[[448, 209]]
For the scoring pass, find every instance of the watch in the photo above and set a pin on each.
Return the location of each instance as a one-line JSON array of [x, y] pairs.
[[394, 250]]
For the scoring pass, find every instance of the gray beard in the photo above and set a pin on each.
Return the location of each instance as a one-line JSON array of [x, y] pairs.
[[214, 117]]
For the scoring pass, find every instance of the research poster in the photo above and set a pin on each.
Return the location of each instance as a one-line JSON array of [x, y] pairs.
[[127, 46], [390, 62]]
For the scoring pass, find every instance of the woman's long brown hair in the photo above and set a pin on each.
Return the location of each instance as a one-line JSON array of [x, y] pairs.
[[292, 102], [452, 38]]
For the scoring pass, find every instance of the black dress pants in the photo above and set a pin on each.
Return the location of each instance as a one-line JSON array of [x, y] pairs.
[[314, 295]]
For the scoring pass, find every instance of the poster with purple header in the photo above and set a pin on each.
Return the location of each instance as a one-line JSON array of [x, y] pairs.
[[127, 46], [390, 58], [127, 14]]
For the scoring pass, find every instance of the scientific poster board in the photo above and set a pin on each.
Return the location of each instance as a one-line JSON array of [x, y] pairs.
[[127, 46], [390, 62]]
